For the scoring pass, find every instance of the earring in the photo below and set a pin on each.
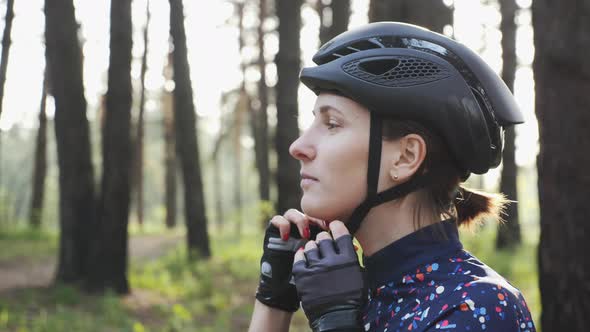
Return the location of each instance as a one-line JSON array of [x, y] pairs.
[[395, 177]]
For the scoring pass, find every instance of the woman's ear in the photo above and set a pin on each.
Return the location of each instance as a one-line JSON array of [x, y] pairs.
[[411, 155]]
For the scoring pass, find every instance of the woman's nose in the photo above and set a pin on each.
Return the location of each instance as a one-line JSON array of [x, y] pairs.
[[301, 149]]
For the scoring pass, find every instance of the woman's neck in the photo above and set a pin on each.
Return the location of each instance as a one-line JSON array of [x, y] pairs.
[[389, 222]]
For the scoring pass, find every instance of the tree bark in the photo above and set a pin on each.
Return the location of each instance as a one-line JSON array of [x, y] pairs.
[[170, 163], [217, 172], [509, 232], [186, 138], [76, 179], [241, 107], [140, 124], [288, 66], [5, 47], [431, 14], [259, 118], [334, 18], [218, 194], [109, 254], [40, 165], [562, 83]]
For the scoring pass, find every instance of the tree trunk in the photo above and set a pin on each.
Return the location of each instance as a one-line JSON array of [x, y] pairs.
[[40, 165], [76, 179], [3, 203], [140, 124], [259, 118], [237, 159], [218, 171], [109, 255], [431, 14], [170, 155], [186, 138], [218, 194], [288, 66], [170, 164], [334, 18], [239, 110], [562, 83], [509, 232], [5, 47]]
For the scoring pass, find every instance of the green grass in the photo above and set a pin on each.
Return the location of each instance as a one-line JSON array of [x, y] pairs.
[[26, 244], [170, 294], [61, 308]]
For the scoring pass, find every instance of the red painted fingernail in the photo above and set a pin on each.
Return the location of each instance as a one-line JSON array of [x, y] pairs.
[[306, 232], [285, 236]]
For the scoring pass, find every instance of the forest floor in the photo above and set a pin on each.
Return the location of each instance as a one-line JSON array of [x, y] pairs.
[[169, 293], [38, 271]]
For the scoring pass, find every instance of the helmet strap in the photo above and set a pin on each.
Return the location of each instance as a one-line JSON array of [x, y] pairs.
[[373, 197]]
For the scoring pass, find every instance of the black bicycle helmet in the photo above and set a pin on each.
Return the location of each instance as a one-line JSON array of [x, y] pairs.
[[408, 72]]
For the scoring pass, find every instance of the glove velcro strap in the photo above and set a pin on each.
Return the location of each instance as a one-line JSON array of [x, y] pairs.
[[282, 302], [339, 321]]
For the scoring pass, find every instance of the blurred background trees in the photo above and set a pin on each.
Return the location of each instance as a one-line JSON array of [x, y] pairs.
[[509, 231], [164, 96], [108, 252], [186, 137], [562, 82], [288, 62], [77, 206]]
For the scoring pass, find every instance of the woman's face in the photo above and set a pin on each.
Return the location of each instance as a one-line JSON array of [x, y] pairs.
[[333, 153]]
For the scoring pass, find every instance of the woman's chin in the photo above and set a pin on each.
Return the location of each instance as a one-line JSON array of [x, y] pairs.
[[313, 208], [319, 209]]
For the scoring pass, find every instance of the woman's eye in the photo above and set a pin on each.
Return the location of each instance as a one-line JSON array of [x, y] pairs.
[[331, 125]]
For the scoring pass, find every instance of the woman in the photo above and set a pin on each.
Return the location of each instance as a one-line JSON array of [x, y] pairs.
[[425, 112]]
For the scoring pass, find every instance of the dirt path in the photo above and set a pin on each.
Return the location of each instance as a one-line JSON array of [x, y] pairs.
[[21, 273]]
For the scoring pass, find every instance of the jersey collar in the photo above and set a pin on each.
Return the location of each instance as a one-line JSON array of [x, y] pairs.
[[426, 244]]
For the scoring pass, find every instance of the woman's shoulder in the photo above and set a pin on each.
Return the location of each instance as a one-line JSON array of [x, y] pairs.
[[481, 298], [456, 292], [473, 280]]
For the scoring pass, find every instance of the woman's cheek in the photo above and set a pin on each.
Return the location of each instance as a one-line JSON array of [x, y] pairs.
[[329, 207]]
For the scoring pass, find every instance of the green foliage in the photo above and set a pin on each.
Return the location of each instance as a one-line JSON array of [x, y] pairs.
[[206, 294], [61, 308], [26, 243]]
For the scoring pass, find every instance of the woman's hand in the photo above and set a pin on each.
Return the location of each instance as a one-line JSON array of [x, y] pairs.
[[330, 282], [284, 235]]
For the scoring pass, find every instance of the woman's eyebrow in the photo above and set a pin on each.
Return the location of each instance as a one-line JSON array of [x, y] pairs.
[[326, 108]]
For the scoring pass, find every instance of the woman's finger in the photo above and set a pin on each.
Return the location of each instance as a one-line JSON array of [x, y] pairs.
[[321, 223], [300, 220], [299, 256], [342, 238], [283, 225], [323, 236], [338, 229], [325, 244], [311, 252]]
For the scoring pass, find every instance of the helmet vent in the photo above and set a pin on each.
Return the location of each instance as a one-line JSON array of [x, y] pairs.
[[379, 67], [358, 46], [396, 72]]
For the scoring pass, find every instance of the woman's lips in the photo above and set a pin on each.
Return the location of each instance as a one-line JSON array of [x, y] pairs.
[[307, 180]]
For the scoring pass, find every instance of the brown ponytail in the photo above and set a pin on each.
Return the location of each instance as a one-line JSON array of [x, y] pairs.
[[474, 207]]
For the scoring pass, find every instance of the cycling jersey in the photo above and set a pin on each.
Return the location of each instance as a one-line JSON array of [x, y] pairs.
[[426, 281]]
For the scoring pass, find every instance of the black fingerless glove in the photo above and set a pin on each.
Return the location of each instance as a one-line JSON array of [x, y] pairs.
[[276, 288], [331, 286]]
